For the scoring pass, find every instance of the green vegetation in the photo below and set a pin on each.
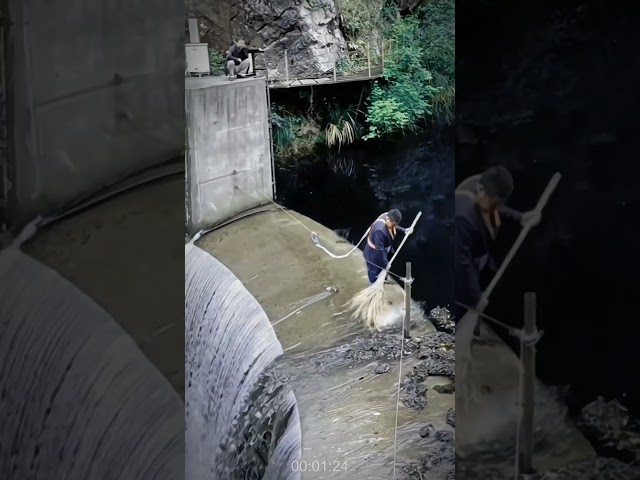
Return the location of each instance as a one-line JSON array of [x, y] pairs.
[[216, 61], [418, 88], [299, 133], [361, 18], [419, 80], [341, 127], [294, 135]]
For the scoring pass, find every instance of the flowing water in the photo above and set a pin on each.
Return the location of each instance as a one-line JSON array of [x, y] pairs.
[[62, 353], [238, 423], [344, 379]]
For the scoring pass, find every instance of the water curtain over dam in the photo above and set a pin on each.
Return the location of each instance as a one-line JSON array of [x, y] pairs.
[[240, 422], [63, 353]]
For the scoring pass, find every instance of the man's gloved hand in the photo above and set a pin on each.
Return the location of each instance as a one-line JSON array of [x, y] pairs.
[[531, 218], [408, 231]]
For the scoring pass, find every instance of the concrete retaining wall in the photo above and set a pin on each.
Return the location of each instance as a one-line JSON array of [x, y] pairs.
[[229, 152], [97, 94]]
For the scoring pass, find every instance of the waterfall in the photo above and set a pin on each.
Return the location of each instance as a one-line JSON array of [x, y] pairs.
[[78, 398], [241, 419]]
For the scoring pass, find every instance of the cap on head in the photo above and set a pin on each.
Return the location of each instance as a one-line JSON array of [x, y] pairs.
[[395, 215], [240, 43], [497, 182]]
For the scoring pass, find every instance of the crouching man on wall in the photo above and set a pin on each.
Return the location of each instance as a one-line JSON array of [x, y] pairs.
[[237, 61]]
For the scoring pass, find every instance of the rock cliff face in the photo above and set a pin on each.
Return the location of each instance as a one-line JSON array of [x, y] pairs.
[[308, 29]]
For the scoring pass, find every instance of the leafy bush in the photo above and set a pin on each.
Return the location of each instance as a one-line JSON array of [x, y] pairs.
[[293, 135], [341, 130], [216, 61], [419, 78], [360, 17], [439, 55]]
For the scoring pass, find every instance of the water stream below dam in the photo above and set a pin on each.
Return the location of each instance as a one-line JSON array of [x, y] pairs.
[[343, 378]]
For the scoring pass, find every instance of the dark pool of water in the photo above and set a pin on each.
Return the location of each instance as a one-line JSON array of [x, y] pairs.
[[347, 191], [582, 261]]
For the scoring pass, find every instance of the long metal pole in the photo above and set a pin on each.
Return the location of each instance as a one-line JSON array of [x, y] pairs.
[[524, 460], [286, 66], [407, 302], [270, 120]]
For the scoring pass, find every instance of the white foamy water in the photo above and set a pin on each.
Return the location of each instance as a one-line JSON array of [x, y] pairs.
[[79, 400], [238, 425]]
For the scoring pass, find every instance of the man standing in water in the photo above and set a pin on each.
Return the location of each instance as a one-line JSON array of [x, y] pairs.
[[480, 205], [380, 242]]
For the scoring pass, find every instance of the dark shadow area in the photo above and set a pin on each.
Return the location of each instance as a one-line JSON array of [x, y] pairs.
[[348, 190], [545, 88]]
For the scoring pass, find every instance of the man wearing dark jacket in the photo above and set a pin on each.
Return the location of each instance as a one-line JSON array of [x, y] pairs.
[[237, 60], [480, 206], [380, 242]]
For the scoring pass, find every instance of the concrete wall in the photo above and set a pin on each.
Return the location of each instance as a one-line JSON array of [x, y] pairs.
[[97, 95], [229, 151]]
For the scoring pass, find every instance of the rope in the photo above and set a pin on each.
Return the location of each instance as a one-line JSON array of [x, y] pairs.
[[314, 235], [314, 239], [485, 316], [519, 333]]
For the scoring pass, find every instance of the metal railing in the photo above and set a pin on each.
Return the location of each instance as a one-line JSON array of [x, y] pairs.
[[366, 63]]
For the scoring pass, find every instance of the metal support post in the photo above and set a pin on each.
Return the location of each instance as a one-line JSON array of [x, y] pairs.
[[524, 457], [286, 66]]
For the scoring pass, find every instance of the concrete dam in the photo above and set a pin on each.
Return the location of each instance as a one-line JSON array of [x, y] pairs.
[[275, 324], [264, 313]]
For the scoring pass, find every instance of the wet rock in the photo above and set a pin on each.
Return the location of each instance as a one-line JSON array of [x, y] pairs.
[[437, 352], [257, 428], [445, 389], [451, 417], [444, 436], [423, 352], [442, 319], [592, 469], [427, 431], [611, 424], [414, 393], [382, 368], [437, 340], [439, 462], [439, 362]]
